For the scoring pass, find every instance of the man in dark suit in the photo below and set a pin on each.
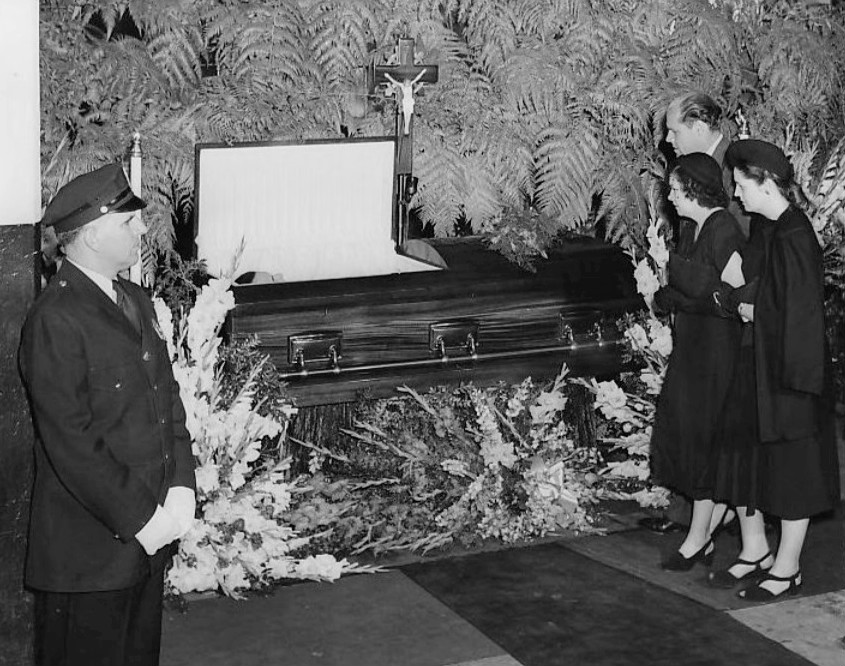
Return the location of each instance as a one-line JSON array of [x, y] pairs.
[[114, 481], [693, 125]]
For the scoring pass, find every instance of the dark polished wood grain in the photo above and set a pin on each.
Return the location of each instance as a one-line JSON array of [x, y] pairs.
[[523, 323]]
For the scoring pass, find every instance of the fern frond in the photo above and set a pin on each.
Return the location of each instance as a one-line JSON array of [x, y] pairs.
[[177, 53], [491, 31], [339, 32], [481, 199], [439, 199], [566, 160], [630, 195]]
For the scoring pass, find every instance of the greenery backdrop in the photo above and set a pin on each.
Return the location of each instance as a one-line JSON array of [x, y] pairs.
[[543, 106], [547, 114]]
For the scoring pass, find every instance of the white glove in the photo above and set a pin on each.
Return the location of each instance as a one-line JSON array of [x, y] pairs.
[[181, 503], [159, 531]]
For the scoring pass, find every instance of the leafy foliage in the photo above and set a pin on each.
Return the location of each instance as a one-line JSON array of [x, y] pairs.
[[422, 471], [553, 106]]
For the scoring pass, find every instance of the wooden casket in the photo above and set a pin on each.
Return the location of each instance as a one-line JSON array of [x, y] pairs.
[[341, 309]]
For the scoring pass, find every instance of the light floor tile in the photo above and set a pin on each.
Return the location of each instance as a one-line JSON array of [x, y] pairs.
[[502, 660], [812, 627], [382, 619]]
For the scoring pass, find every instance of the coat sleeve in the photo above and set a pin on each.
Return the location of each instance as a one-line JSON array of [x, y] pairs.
[[183, 457], [182, 451], [691, 278], [54, 365], [799, 298], [695, 282]]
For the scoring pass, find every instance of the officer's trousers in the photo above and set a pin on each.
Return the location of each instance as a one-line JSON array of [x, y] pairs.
[[112, 628]]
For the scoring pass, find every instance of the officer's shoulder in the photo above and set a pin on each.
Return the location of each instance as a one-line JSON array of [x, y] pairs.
[[56, 297]]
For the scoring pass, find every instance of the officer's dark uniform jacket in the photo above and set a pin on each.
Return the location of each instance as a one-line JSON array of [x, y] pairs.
[[111, 431]]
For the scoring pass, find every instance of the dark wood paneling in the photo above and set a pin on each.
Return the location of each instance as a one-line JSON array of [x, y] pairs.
[[386, 320], [317, 389]]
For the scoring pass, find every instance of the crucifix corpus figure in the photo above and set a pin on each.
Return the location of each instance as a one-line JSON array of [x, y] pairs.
[[404, 92], [404, 80]]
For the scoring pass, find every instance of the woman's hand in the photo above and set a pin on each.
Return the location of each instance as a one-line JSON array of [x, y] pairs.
[[746, 312]]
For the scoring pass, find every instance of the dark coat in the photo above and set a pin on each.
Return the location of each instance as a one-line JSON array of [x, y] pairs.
[[111, 435], [789, 332], [702, 362]]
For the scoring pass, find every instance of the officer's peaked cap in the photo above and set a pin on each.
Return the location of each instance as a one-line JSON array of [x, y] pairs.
[[89, 196]]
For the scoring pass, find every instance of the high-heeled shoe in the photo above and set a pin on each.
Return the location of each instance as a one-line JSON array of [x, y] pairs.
[[677, 562], [757, 593], [725, 580], [727, 523]]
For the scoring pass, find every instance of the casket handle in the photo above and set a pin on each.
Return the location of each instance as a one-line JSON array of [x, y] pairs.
[[598, 333], [472, 349], [461, 334], [568, 335], [334, 357], [441, 349], [299, 360], [583, 322], [313, 347]]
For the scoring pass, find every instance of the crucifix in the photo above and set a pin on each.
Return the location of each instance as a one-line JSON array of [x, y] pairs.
[[404, 81]]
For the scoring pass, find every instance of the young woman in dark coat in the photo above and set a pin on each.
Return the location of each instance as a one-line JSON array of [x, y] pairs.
[[778, 453], [701, 366]]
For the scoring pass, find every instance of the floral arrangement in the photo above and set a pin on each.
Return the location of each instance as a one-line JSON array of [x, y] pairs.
[[626, 408], [242, 538], [417, 472], [650, 271], [455, 465]]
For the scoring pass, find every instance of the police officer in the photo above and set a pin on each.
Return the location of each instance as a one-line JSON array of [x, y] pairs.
[[114, 478]]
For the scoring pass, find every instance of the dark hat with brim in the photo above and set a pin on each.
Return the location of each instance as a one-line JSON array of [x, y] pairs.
[[762, 154], [702, 169], [89, 196]]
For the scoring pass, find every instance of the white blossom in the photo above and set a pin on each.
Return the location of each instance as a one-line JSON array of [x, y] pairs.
[[638, 338], [320, 567], [647, 281], [653, 382], [548, 403], [661, 337]]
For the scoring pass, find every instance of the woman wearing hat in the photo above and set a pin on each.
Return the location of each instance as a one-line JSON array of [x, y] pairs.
[[777, 454], [702, 361]]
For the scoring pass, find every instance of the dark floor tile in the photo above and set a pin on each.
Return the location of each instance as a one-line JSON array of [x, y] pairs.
[[548, 605]]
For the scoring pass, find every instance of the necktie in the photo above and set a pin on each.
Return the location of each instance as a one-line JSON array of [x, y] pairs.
[[129, 307]]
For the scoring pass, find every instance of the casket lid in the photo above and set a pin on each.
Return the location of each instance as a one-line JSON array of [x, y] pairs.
[[312, 210]]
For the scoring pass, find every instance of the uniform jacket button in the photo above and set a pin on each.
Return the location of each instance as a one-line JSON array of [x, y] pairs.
[[146, 356]]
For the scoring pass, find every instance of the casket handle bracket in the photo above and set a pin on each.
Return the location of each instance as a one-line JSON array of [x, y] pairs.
[[472, 346], [583, 323], [568, 335], [598, 333], [318, 348], [461, 334]]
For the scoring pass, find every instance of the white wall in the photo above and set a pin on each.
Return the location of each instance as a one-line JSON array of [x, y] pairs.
[[20, 110]]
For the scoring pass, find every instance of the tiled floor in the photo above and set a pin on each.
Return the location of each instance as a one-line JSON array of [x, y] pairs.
[[400, 618]]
